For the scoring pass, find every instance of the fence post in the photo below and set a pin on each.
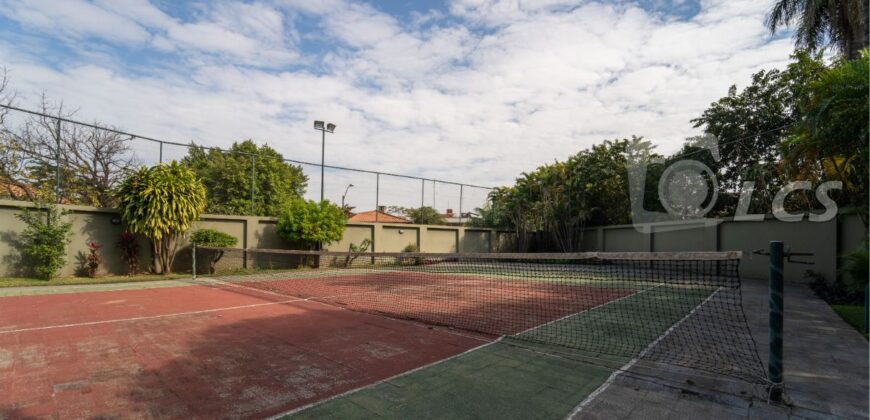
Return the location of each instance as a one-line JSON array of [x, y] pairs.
[[253, 180], [422, 193], [161, 152], [377, 197], [57, 161], [193, 260], [460, 203], [774, 363]]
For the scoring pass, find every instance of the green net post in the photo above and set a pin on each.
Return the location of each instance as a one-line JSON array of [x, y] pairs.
[[774, 364], [193, 260]]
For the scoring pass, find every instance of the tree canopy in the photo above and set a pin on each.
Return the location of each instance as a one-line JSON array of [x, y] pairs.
[[161, 202], [227, 177], [819, 24], [425, 216], [311, 222]]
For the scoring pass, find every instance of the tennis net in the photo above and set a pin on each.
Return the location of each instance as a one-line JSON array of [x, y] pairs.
[[680, 309]]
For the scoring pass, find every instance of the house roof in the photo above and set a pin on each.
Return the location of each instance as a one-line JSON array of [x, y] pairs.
[[373, 216]]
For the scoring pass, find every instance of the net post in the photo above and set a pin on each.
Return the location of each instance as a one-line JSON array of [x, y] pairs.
[[774, 363], [193, 260]]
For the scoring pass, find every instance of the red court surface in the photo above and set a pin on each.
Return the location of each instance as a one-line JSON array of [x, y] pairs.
[[242, 352], [143, 354], [475, 303]]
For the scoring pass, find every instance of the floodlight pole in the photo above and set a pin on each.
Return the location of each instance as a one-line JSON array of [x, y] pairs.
[[323, 128], [322, 161]]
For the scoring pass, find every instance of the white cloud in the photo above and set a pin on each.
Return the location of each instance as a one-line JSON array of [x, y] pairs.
[[444, 100]]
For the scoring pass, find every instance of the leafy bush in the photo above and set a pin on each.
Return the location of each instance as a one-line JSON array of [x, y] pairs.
[[214, 239], [425, 216], [129, 251], [94, 259], [44, 239], [411, 260], [310, 222], [856, 268], [160, 203]]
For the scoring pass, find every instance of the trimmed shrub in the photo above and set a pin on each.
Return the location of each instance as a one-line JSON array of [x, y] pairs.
[[44, 239]]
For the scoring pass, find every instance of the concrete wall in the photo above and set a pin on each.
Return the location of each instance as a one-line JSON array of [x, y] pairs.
[[104, 226], [826, 240]]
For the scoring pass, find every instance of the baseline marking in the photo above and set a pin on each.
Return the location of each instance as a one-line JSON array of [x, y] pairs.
[[142, 318]]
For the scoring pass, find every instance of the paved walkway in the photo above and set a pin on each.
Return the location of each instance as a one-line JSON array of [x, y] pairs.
[[826, 372], [80, 288]]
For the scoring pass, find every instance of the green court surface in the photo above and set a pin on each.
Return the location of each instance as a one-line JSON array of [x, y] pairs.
[[496, 381], [514, 378]]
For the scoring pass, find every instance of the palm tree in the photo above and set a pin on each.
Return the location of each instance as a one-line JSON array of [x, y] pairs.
[[824, 23]]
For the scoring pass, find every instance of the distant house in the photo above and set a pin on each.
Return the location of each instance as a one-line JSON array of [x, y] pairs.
[[376, 216], [456, 219]]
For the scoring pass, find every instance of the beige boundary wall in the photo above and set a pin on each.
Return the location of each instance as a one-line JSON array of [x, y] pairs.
[[104, 226], [827, 240]]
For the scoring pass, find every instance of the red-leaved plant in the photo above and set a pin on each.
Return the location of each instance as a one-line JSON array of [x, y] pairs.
[[94, 258]]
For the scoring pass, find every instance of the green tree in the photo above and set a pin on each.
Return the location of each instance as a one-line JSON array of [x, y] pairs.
[[44, 239], [491, 215], [227, 177], [831, 141], [561, 199], [822, 23], [310, 222], [160, 203], [751, 126], [425, 216]]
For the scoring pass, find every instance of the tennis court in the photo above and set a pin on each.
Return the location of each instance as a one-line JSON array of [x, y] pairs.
[[347, 335]]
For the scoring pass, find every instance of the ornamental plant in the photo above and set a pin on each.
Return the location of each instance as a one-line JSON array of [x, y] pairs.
[[160, 203], [94, 258], [311, 223], [44, 239], [213, 239]]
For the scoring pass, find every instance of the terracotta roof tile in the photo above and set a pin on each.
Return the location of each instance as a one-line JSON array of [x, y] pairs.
[[371, 215]]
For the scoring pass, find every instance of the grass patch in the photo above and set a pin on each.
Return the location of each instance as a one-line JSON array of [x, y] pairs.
[[853, 314], [64, 281]]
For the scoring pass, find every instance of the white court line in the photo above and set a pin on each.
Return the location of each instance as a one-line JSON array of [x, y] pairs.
[[143, 318], [355, 390], [591, 397], [587, 310], [206, 282]]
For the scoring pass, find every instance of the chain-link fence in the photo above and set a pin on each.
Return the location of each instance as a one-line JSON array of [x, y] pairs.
[[49, 155]]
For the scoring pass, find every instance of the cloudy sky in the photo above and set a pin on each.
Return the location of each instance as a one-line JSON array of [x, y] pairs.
[[475, 91]]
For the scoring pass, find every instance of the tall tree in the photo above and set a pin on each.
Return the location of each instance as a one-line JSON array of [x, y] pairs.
[[751, 125], [91, 161], [819, 24], [831, 141], [161, 203], [227, 177]]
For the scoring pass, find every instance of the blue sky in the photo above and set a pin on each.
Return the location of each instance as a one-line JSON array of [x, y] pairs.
[[467, 90]]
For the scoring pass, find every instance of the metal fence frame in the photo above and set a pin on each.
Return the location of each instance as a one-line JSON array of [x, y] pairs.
[[59, 120]]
